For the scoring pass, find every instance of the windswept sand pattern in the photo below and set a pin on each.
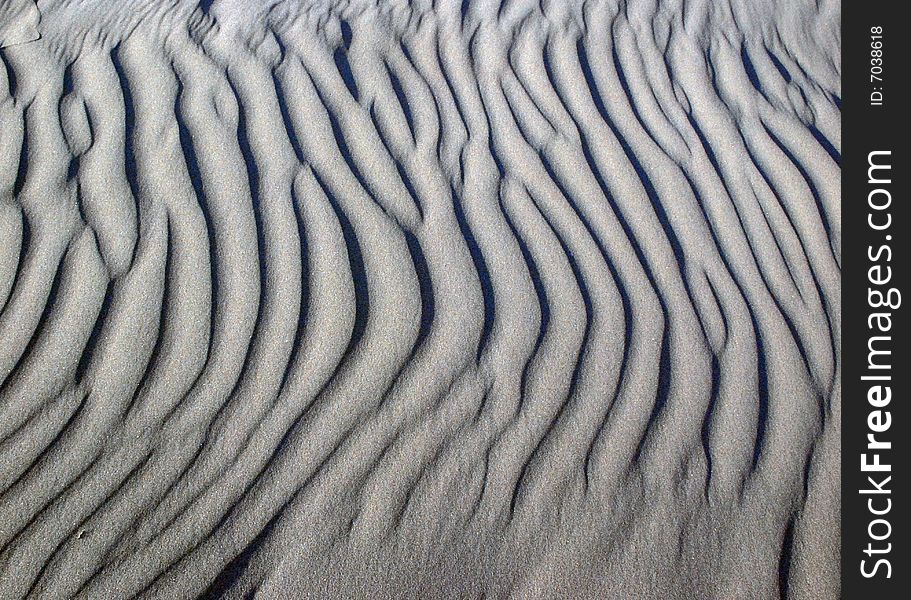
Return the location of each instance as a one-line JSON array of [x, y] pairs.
[[453, 299]]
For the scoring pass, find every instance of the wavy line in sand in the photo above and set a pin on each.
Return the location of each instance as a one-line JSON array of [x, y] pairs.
[[485, 299]]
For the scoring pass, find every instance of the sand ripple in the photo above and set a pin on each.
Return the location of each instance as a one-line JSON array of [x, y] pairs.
[[485, 299]]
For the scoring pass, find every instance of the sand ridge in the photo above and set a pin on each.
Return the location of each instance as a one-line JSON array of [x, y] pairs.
[[413, 300], [19, 21]]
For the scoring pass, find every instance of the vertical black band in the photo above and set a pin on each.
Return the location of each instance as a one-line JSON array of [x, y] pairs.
[[875, 273]]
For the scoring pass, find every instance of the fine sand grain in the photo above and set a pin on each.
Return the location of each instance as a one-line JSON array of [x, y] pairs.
[[420, 299], [18, 22]]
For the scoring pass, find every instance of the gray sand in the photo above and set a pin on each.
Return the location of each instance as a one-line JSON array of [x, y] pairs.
[[390, 299]]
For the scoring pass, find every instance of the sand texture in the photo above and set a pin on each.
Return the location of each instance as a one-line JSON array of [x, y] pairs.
[[18, 22], [429, 299]]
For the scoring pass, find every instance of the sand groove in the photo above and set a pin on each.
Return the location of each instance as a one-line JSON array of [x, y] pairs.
[[450, 299]]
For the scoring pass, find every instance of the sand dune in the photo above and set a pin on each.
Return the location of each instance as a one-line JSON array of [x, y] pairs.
[[456, 299]]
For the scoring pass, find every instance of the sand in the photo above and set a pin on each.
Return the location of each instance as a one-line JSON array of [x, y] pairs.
[[391, 299]]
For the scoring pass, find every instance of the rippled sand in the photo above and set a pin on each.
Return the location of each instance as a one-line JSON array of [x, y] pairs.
[[452, 299]]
